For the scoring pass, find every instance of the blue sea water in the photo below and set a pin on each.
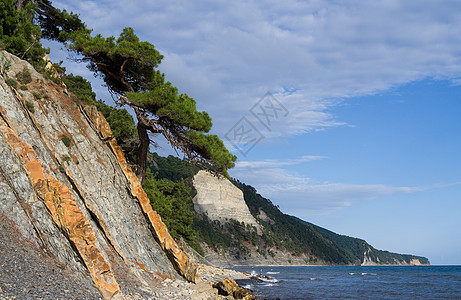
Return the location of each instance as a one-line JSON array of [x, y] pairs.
[[360, 282]]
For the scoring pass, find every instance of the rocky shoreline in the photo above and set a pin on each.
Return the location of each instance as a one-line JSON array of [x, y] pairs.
[[28, 272]]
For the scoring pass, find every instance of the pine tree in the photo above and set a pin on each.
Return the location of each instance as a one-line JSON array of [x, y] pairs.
[[18, 33], [128, 67]]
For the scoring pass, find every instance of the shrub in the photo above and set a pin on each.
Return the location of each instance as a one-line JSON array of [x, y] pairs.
[[24, 77], [37, 95], [173, 203], [30, 106], [61, 169], [65, 157], [6, 63], [81, 88], [51, 75], [24, 87], [11, 82], [66, 140]]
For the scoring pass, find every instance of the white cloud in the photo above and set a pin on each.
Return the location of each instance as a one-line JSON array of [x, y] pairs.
[[300, 195], [272, 163], [229, 54]]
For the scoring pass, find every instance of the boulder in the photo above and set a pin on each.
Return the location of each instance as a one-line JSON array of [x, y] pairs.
[[228, 287]]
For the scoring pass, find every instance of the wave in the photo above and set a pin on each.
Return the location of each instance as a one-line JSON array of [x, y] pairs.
[[272, 272], [264, 278], [363, 274], [268, 279]]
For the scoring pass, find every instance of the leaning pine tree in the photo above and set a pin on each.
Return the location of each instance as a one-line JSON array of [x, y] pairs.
[[128, 67]]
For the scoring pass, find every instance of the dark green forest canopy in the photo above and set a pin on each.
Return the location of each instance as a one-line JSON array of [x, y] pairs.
[[173, 202]]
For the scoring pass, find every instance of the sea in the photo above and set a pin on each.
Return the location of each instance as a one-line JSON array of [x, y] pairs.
[[354, 282]]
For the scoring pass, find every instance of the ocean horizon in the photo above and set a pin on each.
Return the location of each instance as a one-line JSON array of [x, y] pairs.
[[354, 282]]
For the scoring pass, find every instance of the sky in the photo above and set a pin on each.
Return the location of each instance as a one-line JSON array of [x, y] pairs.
[[346, 114]]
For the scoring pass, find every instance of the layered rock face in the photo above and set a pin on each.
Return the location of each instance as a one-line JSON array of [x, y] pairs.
[[370, 259], [220, 200], [65, 184]]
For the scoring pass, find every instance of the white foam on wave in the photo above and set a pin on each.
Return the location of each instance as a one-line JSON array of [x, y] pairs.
[[364, 274], [267, 279], [272, 272], [269, 284]]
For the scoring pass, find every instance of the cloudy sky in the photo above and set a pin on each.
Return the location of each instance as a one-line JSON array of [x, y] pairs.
[[346, 114]]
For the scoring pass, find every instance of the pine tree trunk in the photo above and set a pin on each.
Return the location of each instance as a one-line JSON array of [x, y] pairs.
[[19, 5], [142, 151]]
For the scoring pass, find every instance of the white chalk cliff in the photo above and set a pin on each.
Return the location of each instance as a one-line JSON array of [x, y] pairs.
[[220, 200]]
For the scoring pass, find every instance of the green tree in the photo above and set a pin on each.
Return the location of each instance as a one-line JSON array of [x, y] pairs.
[[171, 167], [173, 202], [80, 87], [18, 33], [53, 21], [127, 66]]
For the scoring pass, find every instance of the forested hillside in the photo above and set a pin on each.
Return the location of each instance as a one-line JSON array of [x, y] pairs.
[[281, 232]]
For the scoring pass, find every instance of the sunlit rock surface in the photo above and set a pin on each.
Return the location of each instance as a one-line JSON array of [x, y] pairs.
[[220, 200], [65, 184]]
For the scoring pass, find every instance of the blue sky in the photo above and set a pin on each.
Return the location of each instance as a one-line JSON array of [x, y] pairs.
[[365, 136]]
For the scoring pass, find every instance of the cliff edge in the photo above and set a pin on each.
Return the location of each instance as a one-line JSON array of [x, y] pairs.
[[66, 187], [220, 200]]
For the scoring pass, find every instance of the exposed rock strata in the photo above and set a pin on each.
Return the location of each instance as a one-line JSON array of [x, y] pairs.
[[65, 213], [179, 259], [27, 272], [78, 201], [220, 200], [369, 260]]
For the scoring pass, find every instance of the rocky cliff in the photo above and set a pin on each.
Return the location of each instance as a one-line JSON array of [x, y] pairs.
[[66, 187], [278, 239], [220, 200]]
